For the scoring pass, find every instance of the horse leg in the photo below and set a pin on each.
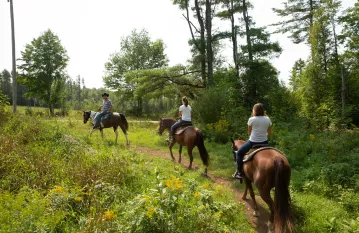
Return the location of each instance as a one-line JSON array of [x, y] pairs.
[[244, 197], [265, 195], [116, 132], [180, 153], [170, 147], [125, 133], [91, 131], [101, 130], [251, 192], [189, 150]]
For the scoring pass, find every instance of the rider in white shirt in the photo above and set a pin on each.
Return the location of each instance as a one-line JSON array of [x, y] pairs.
[[259, 128], [185, 113]]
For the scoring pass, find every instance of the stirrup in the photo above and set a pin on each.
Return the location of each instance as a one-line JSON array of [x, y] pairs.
[[237, 175]]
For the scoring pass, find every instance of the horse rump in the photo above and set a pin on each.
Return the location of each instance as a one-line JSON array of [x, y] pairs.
[[124, 120]]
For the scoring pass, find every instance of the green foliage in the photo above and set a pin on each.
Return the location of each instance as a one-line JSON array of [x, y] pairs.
[[137, 52], [297, 16], [28, 211], [176, 205], [59, 180], [43, 65]]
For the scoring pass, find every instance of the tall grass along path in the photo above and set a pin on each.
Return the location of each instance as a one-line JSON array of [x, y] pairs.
[[261, 224]]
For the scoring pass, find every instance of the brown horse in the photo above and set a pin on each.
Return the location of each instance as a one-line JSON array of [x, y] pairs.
[[269, 169], [116, 120], [190, 138]]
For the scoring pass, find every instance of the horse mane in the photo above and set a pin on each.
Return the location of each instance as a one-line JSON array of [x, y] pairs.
[[167, 122]]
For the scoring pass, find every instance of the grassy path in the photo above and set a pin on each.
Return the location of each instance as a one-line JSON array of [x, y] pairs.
[[261, 223]]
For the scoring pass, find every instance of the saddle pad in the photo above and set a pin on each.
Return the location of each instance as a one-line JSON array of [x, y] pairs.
[[181, 130], [249, 156]]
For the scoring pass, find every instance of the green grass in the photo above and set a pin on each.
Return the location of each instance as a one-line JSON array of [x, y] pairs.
[[55, 178], [41, 154]]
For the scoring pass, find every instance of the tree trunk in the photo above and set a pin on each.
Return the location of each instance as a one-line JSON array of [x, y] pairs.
[[336, 54], [311, 15], [14, 91], [343, 91], [234, 39], [52, 110], [209, 41], [202, 50], [248, 36]]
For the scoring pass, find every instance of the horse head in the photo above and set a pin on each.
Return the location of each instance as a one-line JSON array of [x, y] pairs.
[[234, 149], [161, 129], [87, 116]]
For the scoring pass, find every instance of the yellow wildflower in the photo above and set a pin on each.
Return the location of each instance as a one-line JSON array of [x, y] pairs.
[[197, 195], [312, 137], [150, 212], [78, 199], [58, 189], [109, 215], [174, 183], [251, 231], [207, 185]]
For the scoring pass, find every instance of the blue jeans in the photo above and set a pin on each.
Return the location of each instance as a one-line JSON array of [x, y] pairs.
[[243, 150], [98, 118], [178, 124]]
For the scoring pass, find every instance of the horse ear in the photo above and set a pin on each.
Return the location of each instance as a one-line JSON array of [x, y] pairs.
[[232, 140]]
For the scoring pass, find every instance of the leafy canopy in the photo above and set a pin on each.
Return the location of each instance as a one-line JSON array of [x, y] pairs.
[[42, 65]]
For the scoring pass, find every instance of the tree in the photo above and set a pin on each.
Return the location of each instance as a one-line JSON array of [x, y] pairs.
[[202, 40], [350, 38], [230, 9], [137, 52], [42, 65], [5, 83], [298, 18]]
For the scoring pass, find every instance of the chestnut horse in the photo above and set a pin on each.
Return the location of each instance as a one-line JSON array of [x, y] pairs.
[[116, 120], [269, 169], [190, 138]]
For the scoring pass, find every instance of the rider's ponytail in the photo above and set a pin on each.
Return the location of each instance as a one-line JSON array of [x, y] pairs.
[[185, 101]]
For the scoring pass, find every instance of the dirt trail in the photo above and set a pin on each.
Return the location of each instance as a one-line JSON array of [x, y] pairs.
[[260, 223]]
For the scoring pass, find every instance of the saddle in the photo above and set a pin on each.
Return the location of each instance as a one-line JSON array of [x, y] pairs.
[[183, 128], [257, 148], [107, 116]]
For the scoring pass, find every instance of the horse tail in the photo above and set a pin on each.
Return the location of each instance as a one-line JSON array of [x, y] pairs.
[[282, 201], [123, 119], [202, 150]]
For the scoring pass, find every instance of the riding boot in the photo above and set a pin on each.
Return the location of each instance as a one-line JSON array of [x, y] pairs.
[[170, 139]]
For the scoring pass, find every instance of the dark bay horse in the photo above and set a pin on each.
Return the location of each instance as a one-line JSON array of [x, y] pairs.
[[190, 138], [269, 169], [116, 120]]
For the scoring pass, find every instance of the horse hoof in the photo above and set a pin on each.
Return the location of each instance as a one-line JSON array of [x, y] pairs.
[[244, 198], [256, 214]]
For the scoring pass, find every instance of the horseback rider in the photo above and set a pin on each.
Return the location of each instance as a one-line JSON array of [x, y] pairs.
[[259, 128], [105, 109], [185, 111]]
